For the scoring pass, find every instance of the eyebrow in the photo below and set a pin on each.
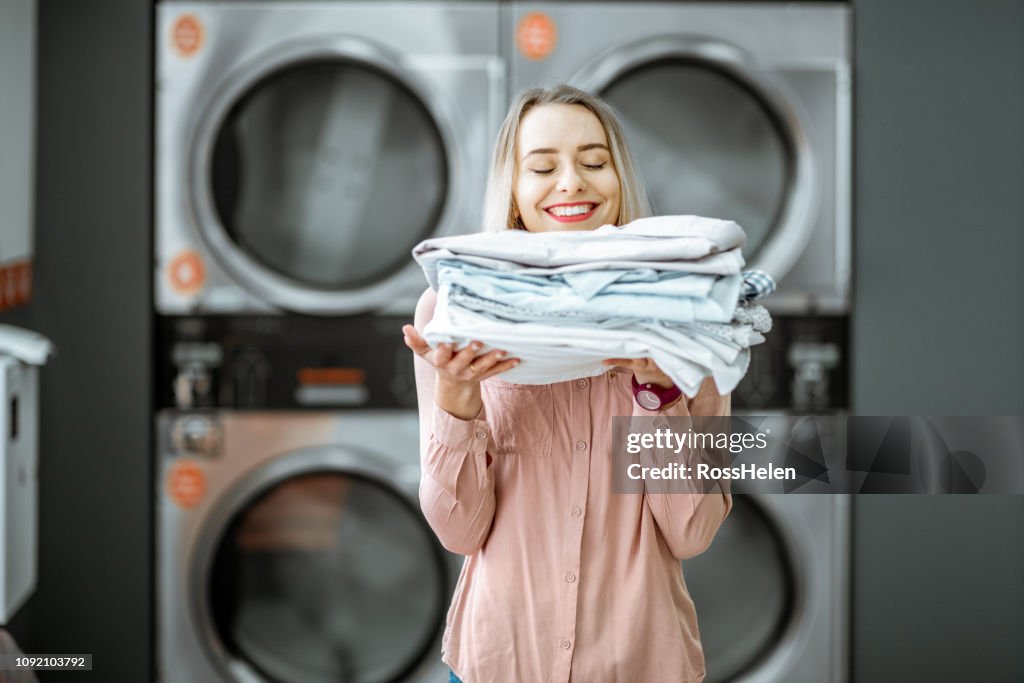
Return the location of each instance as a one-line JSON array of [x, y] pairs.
[[581, 148]]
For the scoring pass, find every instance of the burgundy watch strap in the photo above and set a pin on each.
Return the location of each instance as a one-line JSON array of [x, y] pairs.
[[652, 397]]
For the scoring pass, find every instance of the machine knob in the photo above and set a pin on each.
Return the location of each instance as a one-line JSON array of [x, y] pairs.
[[197, 435], [811, 361]]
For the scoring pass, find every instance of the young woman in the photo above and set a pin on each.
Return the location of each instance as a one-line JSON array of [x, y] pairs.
[[563, 580]]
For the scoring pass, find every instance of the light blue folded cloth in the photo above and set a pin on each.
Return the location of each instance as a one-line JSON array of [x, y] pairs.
[[636, 293]]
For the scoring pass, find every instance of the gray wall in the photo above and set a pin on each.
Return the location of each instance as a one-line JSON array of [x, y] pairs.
[[92, 298], [938, 323]]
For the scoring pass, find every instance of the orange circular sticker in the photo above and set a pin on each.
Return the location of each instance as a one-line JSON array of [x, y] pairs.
[[187, 35], [536, 35], [186, 483], [186, 272]]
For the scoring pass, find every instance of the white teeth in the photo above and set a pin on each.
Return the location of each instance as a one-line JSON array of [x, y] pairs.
[[577, 210]]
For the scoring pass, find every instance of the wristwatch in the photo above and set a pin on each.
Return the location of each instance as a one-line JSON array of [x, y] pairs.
[[654, 397]]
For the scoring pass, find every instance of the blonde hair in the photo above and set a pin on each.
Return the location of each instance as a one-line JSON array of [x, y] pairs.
[[499, 205]]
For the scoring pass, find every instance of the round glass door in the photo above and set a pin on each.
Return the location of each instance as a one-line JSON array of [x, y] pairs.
[[706, 144], [327, 172], [744, 590], [327, 576]]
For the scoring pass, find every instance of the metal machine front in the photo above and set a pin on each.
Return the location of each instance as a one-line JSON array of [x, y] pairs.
[[299, 563], [742, 111], [291, 546], [303, 150], [734, 111], [772, 591]]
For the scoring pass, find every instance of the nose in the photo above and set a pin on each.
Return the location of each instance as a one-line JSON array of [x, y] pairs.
[[569, 181]]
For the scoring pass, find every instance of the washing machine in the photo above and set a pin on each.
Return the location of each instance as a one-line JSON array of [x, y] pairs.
[[739, 111], [733, 110], [773, 591], [303, 149], [290, 543], [742, 111]]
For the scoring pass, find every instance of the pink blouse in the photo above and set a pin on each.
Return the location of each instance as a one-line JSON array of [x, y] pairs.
[[563, 580]]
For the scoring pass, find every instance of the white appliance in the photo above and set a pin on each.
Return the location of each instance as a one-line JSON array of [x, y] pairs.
[[291, 549], [741, 111], [773, 590], [21, 352], [734, 110], [303, 149]]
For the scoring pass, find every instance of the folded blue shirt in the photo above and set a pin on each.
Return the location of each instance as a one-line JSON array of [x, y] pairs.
[[637, 293]]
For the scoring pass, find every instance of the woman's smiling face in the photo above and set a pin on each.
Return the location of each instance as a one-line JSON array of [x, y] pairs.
[[565, 179]]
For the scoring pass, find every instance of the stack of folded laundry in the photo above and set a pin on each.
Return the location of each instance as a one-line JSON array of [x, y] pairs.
[[669, 288]]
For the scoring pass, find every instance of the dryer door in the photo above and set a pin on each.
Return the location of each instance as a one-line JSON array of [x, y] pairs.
[[315, 567], [770, 592], [715, 135], [315, 171]]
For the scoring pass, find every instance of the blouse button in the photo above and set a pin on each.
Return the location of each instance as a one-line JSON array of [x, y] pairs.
[[570, 577], [481, 434], [566, 644], [581, 383], [576, 511], [581, 445]]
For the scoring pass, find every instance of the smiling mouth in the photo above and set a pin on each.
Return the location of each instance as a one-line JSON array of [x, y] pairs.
[[572, 213]]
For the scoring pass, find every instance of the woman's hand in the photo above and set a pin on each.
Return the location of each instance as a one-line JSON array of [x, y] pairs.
[[459, 373], [645, 370], [462, 366]]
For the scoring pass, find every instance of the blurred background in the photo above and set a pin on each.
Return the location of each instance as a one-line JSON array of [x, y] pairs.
[[225, 195]]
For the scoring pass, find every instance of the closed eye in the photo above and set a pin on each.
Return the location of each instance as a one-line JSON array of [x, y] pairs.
[[541, 171], [595, 167]]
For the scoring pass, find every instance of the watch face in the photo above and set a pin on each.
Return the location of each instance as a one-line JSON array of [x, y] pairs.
[[648, 399]]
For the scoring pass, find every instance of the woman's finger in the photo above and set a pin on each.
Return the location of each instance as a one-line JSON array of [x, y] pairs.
[[461, 359], [630, 363], [414, 341], [442, 354], [485, 362], [499, 368]]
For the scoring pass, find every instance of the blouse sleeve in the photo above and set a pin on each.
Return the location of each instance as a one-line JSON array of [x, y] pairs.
[[456, 483], [689, 521]]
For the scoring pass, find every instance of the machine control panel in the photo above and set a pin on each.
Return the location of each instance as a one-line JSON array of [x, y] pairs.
[[257, 362], [802, 367]]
